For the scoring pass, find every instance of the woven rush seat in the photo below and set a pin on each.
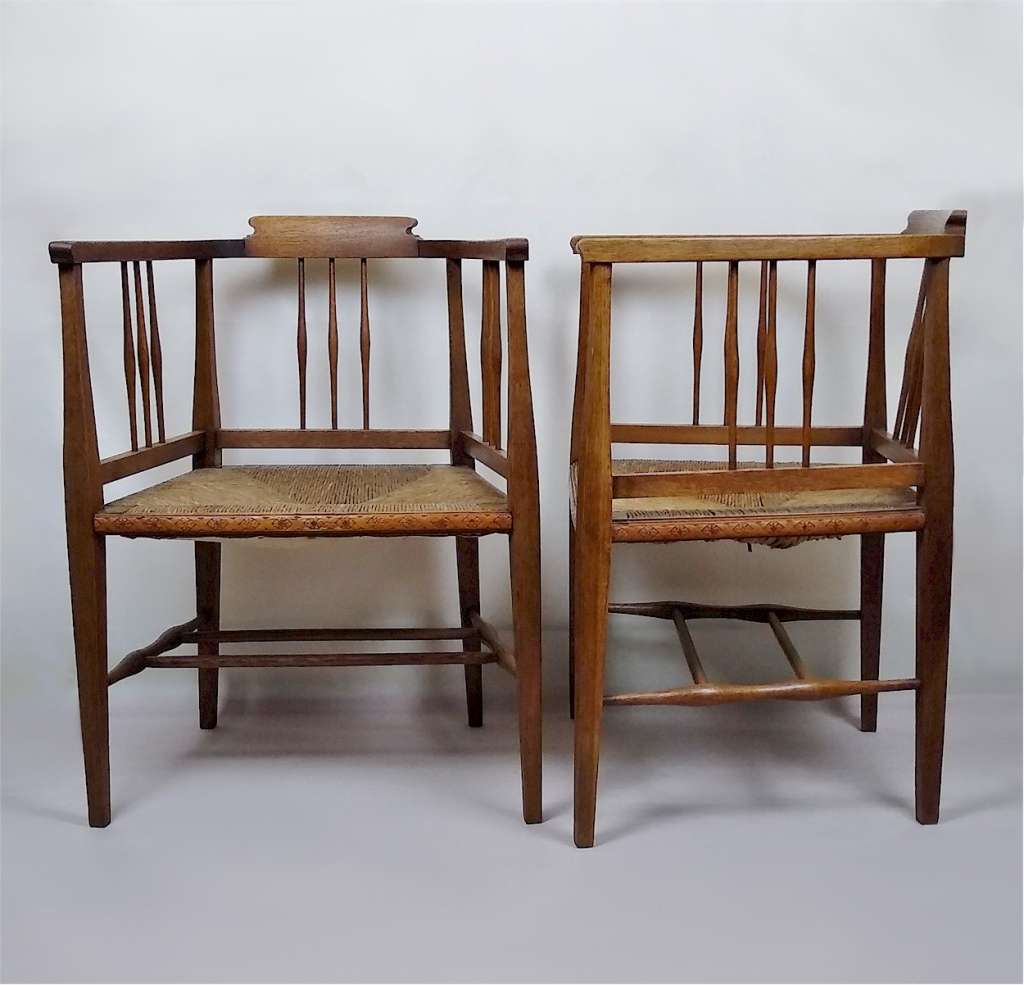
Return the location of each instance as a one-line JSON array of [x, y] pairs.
[[296, 499], [788, 507]]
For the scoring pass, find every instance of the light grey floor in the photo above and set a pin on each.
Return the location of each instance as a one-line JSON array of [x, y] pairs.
[[351, 830]]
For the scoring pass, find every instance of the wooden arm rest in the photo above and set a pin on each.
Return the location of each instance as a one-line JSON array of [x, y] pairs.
[[466, 249], [95, 251]]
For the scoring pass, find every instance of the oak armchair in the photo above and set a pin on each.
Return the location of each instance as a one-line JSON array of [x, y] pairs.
[[902, 483], [212, 503]]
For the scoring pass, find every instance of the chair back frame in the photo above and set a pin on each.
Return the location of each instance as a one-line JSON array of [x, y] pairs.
[[300, 238], [889, 459]]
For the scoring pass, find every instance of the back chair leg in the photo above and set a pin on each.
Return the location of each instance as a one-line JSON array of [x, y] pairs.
[[88, 566], [872, 558], [934, 574], [208, 613], [593, 569], [467, 559], [524, 567], [572, 619]]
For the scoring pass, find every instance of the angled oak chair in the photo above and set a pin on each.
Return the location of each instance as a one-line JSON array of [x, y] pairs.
[[898, 487], [211, 503]]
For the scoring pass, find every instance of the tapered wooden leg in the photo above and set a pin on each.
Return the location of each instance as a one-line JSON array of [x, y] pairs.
[[208, 612], [524, 566], [88, 567], [572, 619], [467, 559], [872, 558], [934, 574], [591, 631]]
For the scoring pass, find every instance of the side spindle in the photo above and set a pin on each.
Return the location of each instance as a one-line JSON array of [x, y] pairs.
[[762, 335], [301, 342], [490, 352], [771, 365], [142, 345], [157, 353], [129, 357], [698, 337], [332, 337], [732, 358], [364, 339], [808, 364]]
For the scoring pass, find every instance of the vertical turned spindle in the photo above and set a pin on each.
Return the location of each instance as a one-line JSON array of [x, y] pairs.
[[490, 352], [698, 337], [732, 358], [142, 346], [909, 407], [156, 352], [808, 367], [301, 342], [762, 333], [332, 338], [364, 340], [129, 357], [771, 366]]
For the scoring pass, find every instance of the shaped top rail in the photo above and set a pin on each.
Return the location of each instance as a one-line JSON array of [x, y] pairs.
[[929, 234], [367, 237]]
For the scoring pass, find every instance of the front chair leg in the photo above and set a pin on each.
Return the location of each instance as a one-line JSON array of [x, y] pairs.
[[934, 575], [524, 566], [590, 627], [872, 563], [467, 560], [208, 613], [88, 567]]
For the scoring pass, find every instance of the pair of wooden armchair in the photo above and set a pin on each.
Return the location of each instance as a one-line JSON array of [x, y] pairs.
[[895, 488]]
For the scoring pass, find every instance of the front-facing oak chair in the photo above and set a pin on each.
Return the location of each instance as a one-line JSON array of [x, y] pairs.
[[211, 503], [896, 488]]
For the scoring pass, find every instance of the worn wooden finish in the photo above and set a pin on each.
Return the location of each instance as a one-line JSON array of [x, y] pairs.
[[142, 346], [934, 549], [302, 342], [717, 434], [490, 353], [720, 694], [486, 454], [732, 359], [788, 648], [771, 526], [771, 367], [693, 661], [808, 363], [745, 613], [135, 662], [332, 337], [133, 462], [672, 249], [592, 552], [330, 238], [129, 357], [791, 478], [157, 353], [364, 340], [698, 337], [83, 496], [872, 546], [321, 635], [331, 438], [762, 340], [888, 461]]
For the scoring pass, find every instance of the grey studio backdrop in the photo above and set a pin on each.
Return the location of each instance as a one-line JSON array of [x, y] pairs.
[[532, 120]]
